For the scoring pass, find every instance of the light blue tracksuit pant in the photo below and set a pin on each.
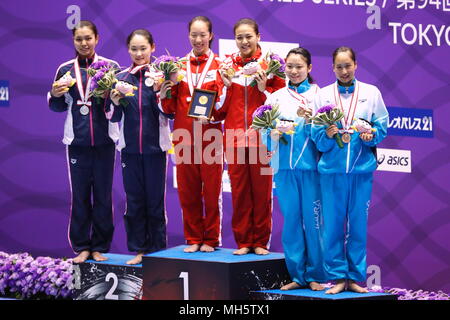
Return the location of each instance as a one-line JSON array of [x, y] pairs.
[[299, 198], [345, 201]]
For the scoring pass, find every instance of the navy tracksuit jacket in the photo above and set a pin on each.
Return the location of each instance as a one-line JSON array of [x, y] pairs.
[[90, 144]]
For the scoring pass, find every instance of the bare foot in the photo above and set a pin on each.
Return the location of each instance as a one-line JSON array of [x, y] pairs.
[[192, 248], [137, 259], [261, 251], [290, 286], [315, 286], [338, 287], [242, 251], [82, 256], [97, 256], [352, 286], [206, 248]]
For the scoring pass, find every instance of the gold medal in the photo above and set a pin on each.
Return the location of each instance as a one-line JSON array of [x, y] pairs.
[[203, 99], [346, 137], [230, 72]]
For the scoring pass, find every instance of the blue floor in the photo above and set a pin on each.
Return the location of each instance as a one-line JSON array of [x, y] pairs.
[[321, 294], [219, 255]]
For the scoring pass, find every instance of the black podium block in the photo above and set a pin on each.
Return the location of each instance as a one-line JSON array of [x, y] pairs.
[[308, 294], [175, 275], [108, 280]]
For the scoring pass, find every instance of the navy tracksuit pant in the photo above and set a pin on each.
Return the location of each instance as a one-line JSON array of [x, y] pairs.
[[91, 176], [144, 177]]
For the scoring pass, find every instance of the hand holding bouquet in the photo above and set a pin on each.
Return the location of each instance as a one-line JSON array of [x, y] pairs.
[[170, 66], [272, 64], [265, 117], [103, 78], [327, 116]]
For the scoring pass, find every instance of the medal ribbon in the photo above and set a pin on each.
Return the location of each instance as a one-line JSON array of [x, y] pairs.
[[200, 81], [84, 94], [299, 97], [347, 120]]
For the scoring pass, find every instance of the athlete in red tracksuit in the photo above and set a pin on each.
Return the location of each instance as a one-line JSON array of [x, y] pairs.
[[251, 180], [199, 179]]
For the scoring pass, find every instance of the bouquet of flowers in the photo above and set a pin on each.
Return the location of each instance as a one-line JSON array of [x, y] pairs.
[[272, 64], [266, 117], [328, 115], [170, 66], [103, 78]]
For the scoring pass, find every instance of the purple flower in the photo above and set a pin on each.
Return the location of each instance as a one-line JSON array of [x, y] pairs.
[[100, 65], [24, 276], [259, 112], [165, 58], [280, 60], [325, 109]]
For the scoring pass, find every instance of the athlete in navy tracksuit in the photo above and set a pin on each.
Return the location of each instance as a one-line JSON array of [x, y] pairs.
[[90, 144], [144, 140]]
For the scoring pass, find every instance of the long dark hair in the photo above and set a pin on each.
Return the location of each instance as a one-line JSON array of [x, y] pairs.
[[305, 54], [208, 23]]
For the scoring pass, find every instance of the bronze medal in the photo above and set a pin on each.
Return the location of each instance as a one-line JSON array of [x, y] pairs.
[[346, 137]]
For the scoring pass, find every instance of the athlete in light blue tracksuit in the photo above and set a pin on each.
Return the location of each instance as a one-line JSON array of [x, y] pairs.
[[346, 173], [296, 176]]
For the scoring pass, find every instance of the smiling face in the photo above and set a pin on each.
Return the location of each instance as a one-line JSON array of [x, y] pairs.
[[297, 68], [344, 67], [246, 40], [199, 37], [140, 50], [85, 41]]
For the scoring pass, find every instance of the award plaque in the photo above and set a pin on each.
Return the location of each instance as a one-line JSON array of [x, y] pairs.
[[202, 103]]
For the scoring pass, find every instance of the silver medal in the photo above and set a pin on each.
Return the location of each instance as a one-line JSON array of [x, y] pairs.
[[84, 110], [149, 82]]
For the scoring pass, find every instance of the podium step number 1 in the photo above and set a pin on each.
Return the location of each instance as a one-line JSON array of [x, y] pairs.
[[185, 277]]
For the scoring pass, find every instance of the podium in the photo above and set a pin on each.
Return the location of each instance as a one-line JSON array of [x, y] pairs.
[[173, 274], [112, 279]]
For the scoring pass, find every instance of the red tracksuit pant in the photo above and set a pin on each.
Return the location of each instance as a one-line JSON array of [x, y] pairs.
[[251, 193], [200, 194]]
